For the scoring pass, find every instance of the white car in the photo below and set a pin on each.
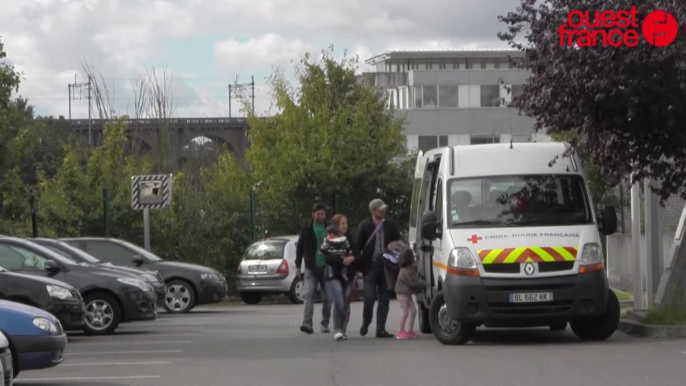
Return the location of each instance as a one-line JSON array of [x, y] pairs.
[[5, 361], [268, 268]]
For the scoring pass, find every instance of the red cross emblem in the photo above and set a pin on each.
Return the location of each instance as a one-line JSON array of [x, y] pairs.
[[474, 239]]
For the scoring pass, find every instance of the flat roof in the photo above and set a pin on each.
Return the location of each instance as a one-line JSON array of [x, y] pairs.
[[445, 54]]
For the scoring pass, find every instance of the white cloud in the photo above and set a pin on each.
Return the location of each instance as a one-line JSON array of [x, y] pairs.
[[265, 50]]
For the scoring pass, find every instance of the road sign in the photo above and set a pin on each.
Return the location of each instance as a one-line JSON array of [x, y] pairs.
[[151, 191]]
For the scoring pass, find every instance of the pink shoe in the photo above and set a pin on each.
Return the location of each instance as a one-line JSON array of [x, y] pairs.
[[403, 335], [413, 335]]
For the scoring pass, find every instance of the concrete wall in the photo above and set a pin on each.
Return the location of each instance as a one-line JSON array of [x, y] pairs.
[[470, 77], [619, 263], [470, 121]]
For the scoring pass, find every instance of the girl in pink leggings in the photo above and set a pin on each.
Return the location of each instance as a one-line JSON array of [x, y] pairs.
[[408, 283]]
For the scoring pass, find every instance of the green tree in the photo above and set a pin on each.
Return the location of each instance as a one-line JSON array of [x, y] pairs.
[[626, 105], [333, 141], [9, 83]]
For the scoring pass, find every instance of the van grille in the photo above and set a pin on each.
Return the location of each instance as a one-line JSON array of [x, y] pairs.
[[555, 266], [502, 268], [555, 307]]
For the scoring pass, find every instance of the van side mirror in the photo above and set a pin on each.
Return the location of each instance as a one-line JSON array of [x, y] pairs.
[[138, 260], [608, 221], [429, 223], [52, 266]]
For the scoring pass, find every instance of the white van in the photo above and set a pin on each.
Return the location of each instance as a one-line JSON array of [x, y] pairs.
[[507, 236]]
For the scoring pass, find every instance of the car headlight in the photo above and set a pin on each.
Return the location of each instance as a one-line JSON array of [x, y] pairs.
[[136, 283], [59, 292], [210, 277], [45, 325], [462, 258], [3, 341], [591, 254], [149, 277]]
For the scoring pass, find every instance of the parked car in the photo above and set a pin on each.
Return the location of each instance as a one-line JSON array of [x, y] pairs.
[[36, 337], [152, 277], [188, 285], [54, 296], [110, 297], [6, 372], [268, 268]]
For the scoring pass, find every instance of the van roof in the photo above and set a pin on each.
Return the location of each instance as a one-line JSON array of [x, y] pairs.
[[522, 158]]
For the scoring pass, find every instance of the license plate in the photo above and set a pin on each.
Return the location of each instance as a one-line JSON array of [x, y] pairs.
[[531, 297], [257, 268]]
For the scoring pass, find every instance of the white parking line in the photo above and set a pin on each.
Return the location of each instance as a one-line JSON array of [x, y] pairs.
[[134, 343], [89, 378], [125, 352], [114, 364]]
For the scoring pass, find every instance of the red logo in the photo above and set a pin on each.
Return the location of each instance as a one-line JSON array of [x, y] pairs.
[[617, 28], [474, 239], [660, 28]]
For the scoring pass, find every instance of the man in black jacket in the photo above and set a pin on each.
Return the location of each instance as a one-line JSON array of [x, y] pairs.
[[309, 242], [373, 236]]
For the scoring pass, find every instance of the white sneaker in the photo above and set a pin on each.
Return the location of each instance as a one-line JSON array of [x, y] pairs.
[[338, 336]]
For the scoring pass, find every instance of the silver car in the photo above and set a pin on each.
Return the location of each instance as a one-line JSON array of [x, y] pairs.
[[268, 268]]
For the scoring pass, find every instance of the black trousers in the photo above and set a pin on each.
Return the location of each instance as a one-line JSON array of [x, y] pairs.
[[376, 288]]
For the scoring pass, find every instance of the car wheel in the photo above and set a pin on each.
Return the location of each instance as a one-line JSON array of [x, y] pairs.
[[251, 298], [558, 326], [297, 292], [447, 330], [602, 327], [423, 316], [103, 314], [179, 298]]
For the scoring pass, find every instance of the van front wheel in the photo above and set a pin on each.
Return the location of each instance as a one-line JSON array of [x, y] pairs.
[[447, 330], [602, 327], [423, 316]]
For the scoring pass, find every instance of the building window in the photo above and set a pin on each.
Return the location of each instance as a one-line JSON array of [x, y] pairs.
[[497, 65], [442, 140], [427, 142], [417, 91], [484, 139], [430, 94], [447, 96], [429, 66], [469, 65], [490, 96], [516, 90], [521, 138], [456, 65], [483, 65], [441, 66]]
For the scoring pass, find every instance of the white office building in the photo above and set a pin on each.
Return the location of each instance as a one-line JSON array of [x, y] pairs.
[[454, 97]]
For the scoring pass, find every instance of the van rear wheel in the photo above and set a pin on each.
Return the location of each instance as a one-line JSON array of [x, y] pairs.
[[447, 330], [601, 327]]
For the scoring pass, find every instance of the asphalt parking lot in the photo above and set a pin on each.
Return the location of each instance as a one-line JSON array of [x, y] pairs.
[[261, 345]]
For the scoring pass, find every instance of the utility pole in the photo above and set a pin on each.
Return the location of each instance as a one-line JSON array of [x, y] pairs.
[[72, 95], [239, 86]]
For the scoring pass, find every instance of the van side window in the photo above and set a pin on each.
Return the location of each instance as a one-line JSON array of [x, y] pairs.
[[415, 201]]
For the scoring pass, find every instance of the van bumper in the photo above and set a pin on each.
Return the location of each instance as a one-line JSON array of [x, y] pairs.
[[487, 300]]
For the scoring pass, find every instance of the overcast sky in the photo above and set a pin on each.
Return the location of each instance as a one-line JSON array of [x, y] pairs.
[[207, 43]]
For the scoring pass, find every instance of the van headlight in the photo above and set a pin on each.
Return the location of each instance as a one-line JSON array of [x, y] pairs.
[[136, 283], [59, 292], [591, 254], [45, 325], [462, 258]]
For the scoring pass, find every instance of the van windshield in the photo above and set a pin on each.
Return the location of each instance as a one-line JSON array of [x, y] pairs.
[[519, 200], [266, 250]]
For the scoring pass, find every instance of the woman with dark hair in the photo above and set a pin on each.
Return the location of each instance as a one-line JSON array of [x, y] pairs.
[[341, 222]]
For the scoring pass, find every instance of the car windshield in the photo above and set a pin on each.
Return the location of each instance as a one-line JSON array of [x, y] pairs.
[[519, 200], [266, 250], [71, 253], [146, 254]]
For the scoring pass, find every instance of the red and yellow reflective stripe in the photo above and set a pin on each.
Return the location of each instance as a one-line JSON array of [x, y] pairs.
[[527, 254]]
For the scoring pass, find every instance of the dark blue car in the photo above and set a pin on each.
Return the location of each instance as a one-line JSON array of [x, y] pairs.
[[36, 337]]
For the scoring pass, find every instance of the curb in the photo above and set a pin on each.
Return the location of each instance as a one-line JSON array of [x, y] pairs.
[[632, 327]]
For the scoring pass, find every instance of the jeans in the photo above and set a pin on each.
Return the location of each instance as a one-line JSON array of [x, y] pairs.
[[312, 278], [338, 293], [375, 284], [409, 310]]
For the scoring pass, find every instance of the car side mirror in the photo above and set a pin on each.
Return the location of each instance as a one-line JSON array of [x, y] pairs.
[[429, 226], [138, 260], [608, 221], [52, 266]]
